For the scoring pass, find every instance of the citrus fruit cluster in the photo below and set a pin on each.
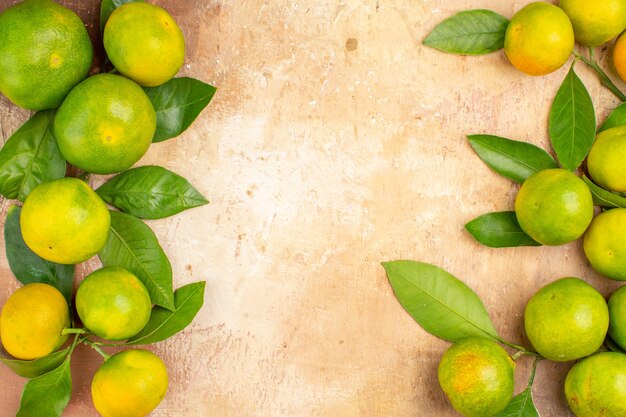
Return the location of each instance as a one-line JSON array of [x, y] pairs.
[[99, 124], [578, 194], [540, 37], [566, 320]]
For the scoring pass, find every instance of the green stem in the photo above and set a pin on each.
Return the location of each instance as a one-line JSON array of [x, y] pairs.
[[73, 331], [604, 79], [74, 344], [532, 373], [95, 347]]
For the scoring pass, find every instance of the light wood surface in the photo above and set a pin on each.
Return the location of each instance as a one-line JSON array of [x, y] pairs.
[[335, 141]]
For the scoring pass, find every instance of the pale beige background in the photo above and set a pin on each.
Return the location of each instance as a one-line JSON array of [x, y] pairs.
[[336, 141]]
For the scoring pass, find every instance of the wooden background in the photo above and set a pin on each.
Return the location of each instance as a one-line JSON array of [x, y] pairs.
[[335, 141]]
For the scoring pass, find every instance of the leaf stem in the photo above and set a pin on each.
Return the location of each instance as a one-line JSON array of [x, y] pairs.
[[96, 347], [604, 78]]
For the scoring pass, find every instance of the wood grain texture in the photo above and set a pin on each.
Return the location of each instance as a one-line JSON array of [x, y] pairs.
[[335, 141]]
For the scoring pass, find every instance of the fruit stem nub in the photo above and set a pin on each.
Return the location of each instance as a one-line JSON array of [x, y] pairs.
[[521, 349], [67, 331]]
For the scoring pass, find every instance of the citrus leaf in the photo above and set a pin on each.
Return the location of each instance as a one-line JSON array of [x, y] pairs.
[[442, 304], [604, 198], [512, 159], [520, 406], [499, 230], [177, 104], [150, 192], [47, 395], [30, 157], [27, 266], [164, 323], [472, 32], [132, 245], [572, 122], [616, 118], [108, 7], [37, 367]]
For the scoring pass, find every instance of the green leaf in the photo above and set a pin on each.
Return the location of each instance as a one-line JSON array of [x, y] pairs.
[[37, 367], [177, 104], [472, 32], [30, 157], [572, 122], [150, 192], [616, 118], [164, 323], [510, 158], [108, 7], [443, 305], [499, 230], [520, 406], [29, 267], [48, 394], [604, 198], [132, 245]]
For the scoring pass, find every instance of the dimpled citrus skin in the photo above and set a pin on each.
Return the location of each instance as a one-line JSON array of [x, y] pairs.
[[566, 320], [605, 161], [32, 320], [144, 43], [477, 376], [131, 383], [65, 221], [619, 56], [105, 124], [539, 39], [44, 51], [617, 316], [113, 303], [554, 206], [605, 244], [596, 386], [595, 22]]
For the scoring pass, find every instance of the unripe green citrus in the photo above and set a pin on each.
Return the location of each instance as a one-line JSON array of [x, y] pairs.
[[554, 206], [144, 43], [44, 52], [606, 159], [32, 321], [65, 221], [617, 316], [105, 124], [539, 39], [566, 320], [595, 386], [595, 22], [113, 303], [130, 383], [477, 376], [605, 244]]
